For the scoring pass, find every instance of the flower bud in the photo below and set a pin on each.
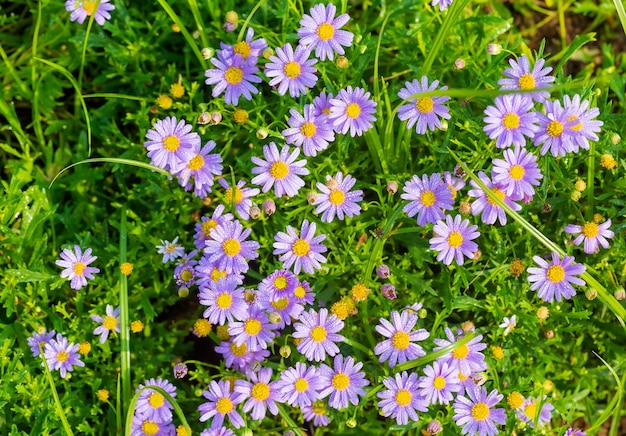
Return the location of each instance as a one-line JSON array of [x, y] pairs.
[[383, 272], [351, 423], [550, 334], [422, 313], [285, 351], [434, 427], [183, 292], [311, 197], [274, 318], [262, 133], [268, 52], [548, 386], [459, 64], [180, 370], [494, 49], [620, 294], [615, 138], [575, 195], [342, 62], [580, 185], [207, 53], [591, 294], [255, 212], [388, 291], [392, 187], [216, 117], [229, 27], [269, 207], [232, 17], [204, 118], [468, 326]]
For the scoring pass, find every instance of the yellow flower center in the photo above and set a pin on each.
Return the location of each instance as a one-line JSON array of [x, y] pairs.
[[308, 130], [439, 382], [171, 143], [78, 268], [403, 397], [252, 326], [517, 172], [301, 385], [319, 407], [89, 6], [228, 195], [340, 381], [526, 81], [555, 273], [510, 121], [337, 197], [109, 322], [233, 75], [202, 327], [231, 247], [62, 356], [216, 275], [554, 128], [150, 427], [279, 170], [325, 31], [224, 406], [318, 334], [590, 230], [292, 70], [515, 400], [300, 248], [425, 105], [353, 110], [480, 411], [207, 226], [260, 391], [400, 340], [530, 410], [455, 239], [461, 352], [281, 303], [240, 116], [186, 275], [427, 198], [576, 127], [280, 283], [497, 193], [156, 400], [224, 300], [196, 163], [84, 348], [299, 292], [242, 48], [238, 350]]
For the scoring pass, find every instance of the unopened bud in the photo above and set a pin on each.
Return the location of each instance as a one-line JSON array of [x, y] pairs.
[[274, 318], [383, 271], [229, 27], [550, 334], [204, 118], [285, 351], [615, 139], [207, 53], [311, 197], [255, 212], [459, 64], [591, 294], [388, 291], [434, 427], [351, 423], [183, 292], [392, 187], [216, 117], [494, 49], [232, 17], [575, 195], [468, 326], [262, 133], [269, 207], [267, 53], [620, 294], [422, 313], [342, 62], [548, 386]]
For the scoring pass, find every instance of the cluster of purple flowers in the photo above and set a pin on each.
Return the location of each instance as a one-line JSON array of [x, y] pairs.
[[153, 412]]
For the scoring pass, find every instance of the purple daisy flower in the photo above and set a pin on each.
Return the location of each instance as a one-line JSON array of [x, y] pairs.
[[239, 357], [279, 170], [146, 427], [302, 252], [300, 385], [592, 234], [428, 198], [401, 399], [422, 111], [171, 144], [555, 129], [455, 184], [352, 110], [261, 393], [439, 382], [39, 338], [311, 132], [528, 412], [185, 271], [202, 167], [206, 224], [584, 127], [343, 382], [466, 358], [316, 412], [337, 199], [554, 279], [255, 330], [233, 75], [278, 284], [221, 404], [170, 250], [153, 405], [303, 293], [109, 322], [76, 266], [228, 249], [225, 301], [443, 4], [62, 355], [321, 104], [485, 204], [511, 120], [508, 324], [81, 9], [517, 173], [242, 197], [476, 414], [400, 347], [321, 31], [574, 432], [249, 49], [318, 332], [520, 76], [453, 239], [292, 71]]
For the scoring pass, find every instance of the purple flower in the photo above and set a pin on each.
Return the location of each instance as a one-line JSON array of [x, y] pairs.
[[254, 330], [337, 199], [584, 127], [225, 301], [528, 412], [279, 170], [592, 234], [316, 412], [511, 120], [233, 75], [153, 405], [520, 76], [62, 355], [39, 338], [428, 198], [228, 249], [399, 346], [249, 49], [321, 104], [110, 322], [81, 9], [292, 70], [171, 144], [574, 432], [466, 358], [476, 414], [261, 393], [517, 173], [454, 184], [170, 250], [202, 167], [555, 129], [311, 132], [76, 266], [352, 110], [221, 404], [318, 332], [453, 239], [321, 31], [242, 197], [424, 112], [146, 427], [439, 382], [401, 399], [239, 357], [443, 4], [180, 370], [302, 252], [388, 291], [485, 203], [300, 385], [343, 382], [554, 279]]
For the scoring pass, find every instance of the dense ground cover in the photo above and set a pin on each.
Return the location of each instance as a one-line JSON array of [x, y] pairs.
[[426, 234]]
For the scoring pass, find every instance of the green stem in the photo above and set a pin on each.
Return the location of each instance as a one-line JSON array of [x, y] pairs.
[[240, 37], [81, 68], [55, 395], [124, 325]]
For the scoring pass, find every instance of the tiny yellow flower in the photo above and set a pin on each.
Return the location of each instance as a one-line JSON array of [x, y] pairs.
[[222, 332], [180, 431], [202, 327], [177, 90], [516, 267], [232, 17], [497, 352], [103, 395], [607, 161], [515, 400], [136, 326], [164, 101], [340, 310], [240, 116], [542, 313], [176, 28], [359, 292], [580, 185], [84, 348], [126, 268]]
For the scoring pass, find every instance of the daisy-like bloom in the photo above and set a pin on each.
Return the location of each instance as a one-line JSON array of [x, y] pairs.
[[352, 110], [233, 75], [318, 332], [153, 405], [109, 322], [280, 170], [303, 293], [584, 127], [239, 357], [255, 330], [424, 112], [321, 104], [401, 400], [300, 385], [316, 412], [428, 198], [574, 432], [592, 234], [508, 324], [517, 173], [202, 167], [147, 427], [206, 224], [225, 301], [278, 284], [39, 338], [242, 197], [443, 4], [249, 49], [484, 203], [228, 249], [511, 120], [439, 382], [309, 131], [555, 129], [81, 9], [466, 358], [453, 239], [62, 355], [337, 199], [292, 71], [302, 252], [400, 347], [520, 76], [170, 250], [343, 382], [321, 31], [185, 271], [76, 266], [554, 279], [222, 403], [455, 184], [476, 414], [261, 393], [171, 144], [528, 412]]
